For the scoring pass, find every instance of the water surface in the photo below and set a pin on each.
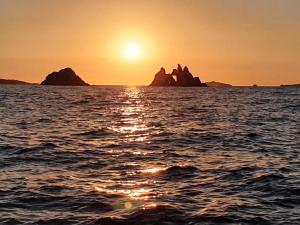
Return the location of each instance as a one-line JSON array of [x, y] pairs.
[[141, 155]]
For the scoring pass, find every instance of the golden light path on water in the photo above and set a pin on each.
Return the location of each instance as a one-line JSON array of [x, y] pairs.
[[131, 125]]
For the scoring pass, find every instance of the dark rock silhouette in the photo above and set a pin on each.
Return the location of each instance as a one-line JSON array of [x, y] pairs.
[[217, 84], [15, 82], [64, 77], [183, 78]]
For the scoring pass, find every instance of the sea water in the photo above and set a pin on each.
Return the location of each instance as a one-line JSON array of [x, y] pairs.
[[149, 155]]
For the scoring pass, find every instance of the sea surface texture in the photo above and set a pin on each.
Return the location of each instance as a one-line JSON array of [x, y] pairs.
[[149, 155]]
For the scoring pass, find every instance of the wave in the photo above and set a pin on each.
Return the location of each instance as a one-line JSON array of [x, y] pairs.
[[10, 221], [45, 120], [57, 221], [95, 133], [230, 219], [80, 102], [173, 172], [45, 146], [268, 178], [95, 206], [180, 170], [154, 214]]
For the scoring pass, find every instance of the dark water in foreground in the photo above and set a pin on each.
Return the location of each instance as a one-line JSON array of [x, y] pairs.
[[138, 156]]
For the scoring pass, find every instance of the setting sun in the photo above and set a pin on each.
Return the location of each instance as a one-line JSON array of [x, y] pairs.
[[132, 51]]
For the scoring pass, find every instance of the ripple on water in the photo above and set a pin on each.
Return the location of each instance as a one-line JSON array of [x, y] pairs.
[[43, 147], [95, 133]]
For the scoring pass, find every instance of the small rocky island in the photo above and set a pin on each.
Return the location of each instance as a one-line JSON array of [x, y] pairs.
[[183, 78], [64, 77]]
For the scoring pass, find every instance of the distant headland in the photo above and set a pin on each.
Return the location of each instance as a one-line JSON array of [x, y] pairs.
[[183, 78], [290, 85], [64, 77], [15, 82], [217, 84]]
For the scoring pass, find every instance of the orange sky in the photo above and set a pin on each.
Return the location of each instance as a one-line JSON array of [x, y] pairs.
[[234, 41]]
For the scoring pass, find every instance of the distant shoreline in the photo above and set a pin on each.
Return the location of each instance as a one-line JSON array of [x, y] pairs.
[[14, 82], [124, 85], [290, 85]]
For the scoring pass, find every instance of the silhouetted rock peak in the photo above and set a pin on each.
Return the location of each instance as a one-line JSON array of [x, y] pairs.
[[162, 70], [179, 68], [67, 70], [183, 78], [64, 77], [174, 72]]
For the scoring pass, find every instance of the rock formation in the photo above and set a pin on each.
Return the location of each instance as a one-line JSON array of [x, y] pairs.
[[183, 78], [64, 77]]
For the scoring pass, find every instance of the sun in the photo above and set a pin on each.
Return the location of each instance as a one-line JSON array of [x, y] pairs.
[[132, 51]]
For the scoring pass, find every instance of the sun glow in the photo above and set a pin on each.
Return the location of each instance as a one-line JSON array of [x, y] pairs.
[[132, 51]]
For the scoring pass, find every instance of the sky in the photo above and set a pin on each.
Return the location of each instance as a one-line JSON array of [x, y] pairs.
[[239, 42]]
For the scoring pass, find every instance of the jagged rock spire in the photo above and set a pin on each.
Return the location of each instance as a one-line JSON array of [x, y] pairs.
[[174, 72], [186, 69], [162, 70], [179, 68]]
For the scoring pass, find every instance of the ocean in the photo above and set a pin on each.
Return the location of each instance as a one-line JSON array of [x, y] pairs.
[[113, 155]]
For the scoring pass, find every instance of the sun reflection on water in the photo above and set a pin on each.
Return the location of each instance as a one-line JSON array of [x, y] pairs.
[[130, 122], [130, 125], [133, 194], [153, 170], [150, 205]]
